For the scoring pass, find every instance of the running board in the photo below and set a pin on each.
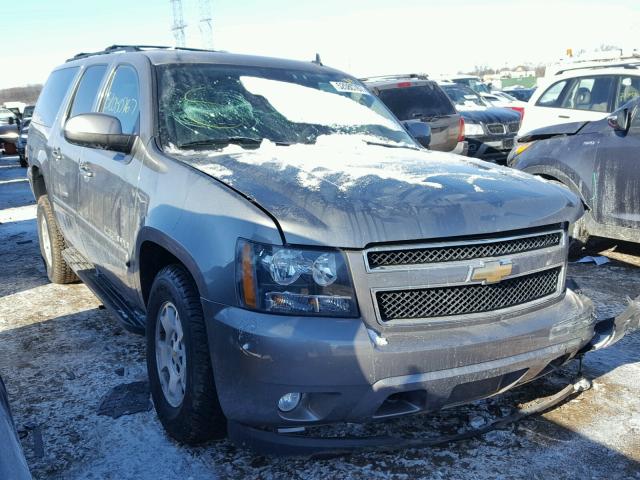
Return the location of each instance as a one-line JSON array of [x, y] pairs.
[[131, 319]]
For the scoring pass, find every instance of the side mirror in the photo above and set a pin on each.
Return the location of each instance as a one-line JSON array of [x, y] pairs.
[[420, 131], [8, 133], [619, 121], [98, 130]]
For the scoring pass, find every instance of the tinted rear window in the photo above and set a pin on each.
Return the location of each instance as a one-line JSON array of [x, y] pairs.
[[52, 95], [417, 102]]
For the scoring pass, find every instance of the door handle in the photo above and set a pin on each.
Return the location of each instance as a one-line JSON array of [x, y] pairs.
[[85, 170], [564, 116], [57, 155]]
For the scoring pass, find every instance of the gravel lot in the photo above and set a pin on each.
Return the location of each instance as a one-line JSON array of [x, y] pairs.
[[60, 353]]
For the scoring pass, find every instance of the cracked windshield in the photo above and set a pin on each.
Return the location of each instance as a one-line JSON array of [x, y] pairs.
[[209, 105]]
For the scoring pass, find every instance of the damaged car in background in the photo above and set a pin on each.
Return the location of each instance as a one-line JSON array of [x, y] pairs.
[[598, 161], [293, 255]]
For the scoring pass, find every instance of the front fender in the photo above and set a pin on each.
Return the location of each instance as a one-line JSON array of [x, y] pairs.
[[151, 234], [550, 172]]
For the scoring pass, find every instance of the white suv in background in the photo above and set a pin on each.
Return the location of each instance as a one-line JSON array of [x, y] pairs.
[[580, 95]]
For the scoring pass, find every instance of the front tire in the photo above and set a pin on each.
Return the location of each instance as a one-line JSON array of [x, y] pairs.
[[52, 243], [178, 361]]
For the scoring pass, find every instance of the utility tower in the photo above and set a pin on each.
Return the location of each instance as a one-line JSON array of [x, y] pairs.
[[206, 24], [178, 25]]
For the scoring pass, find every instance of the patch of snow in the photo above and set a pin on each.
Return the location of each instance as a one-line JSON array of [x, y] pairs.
[[300, 104]]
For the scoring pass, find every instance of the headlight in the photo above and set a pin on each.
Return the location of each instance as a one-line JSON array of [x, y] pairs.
[[473, 129], [297, 281], [521, 148]]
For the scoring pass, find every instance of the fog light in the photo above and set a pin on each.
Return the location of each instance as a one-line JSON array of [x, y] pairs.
[[289, 401]]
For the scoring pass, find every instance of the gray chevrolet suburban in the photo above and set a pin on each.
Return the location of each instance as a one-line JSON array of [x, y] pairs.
[[292, 254]]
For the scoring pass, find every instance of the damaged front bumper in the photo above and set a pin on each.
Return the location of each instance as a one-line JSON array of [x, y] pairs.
[[611, 330], [345, 377]]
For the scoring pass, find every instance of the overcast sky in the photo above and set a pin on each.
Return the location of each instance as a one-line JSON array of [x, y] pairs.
[[361, 36]]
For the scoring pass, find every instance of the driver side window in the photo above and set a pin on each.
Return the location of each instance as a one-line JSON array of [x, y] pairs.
[[122, 99]]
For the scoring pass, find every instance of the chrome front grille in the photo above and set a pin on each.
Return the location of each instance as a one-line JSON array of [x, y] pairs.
[[513, 127], [452, 253], [496, 128], [426, 303], [462, 280]]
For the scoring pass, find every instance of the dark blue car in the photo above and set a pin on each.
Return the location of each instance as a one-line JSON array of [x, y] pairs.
[[600, 162]]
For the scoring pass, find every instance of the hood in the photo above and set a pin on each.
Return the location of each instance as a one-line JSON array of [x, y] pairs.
[[553, 131], [490, 115], [344, 194]]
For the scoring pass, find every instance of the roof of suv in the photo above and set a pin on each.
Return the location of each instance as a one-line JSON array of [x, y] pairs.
[[164, 55]]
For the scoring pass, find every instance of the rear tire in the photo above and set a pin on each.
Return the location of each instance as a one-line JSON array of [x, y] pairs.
[[52, 243], [178, 362], [23, 161]]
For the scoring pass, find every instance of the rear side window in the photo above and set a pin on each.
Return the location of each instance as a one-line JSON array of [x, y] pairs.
[[590, 93], [122, 99], [52, 95], [553, 96], [85, 96], [417, 102], [628, 89]]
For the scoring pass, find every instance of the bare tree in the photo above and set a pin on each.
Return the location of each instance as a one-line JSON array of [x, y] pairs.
[[27, 94]]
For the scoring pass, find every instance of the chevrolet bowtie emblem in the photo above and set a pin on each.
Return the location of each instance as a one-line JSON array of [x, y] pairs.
[[492, 272]]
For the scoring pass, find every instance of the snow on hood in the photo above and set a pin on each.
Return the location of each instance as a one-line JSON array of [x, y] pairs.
[[343, 192]]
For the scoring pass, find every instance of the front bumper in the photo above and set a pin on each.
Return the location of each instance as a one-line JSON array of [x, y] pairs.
[[346, 374], [491, 148]]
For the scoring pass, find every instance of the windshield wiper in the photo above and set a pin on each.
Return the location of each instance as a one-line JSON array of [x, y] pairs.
[[223, 142], [429, 118], [390, 145]]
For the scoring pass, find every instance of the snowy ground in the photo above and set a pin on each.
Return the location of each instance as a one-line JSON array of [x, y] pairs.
[[60, 354]]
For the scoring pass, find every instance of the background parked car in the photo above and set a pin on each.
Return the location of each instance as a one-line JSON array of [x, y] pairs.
[[471, 81], [503, 100], [9, 124], [520, 93], [579, 94], [489, 131], [13, 465], [28, 112], [21, 144], [414, 97], [599, 162]]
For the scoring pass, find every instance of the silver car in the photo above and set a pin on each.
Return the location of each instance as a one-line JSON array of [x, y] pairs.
[[292, 254]]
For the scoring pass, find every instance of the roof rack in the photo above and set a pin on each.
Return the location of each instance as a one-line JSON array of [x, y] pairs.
[[132, 48], [587, 66], [419, 76]]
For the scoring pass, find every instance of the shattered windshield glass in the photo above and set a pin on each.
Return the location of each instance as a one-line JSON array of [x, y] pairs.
[[215, 105]]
